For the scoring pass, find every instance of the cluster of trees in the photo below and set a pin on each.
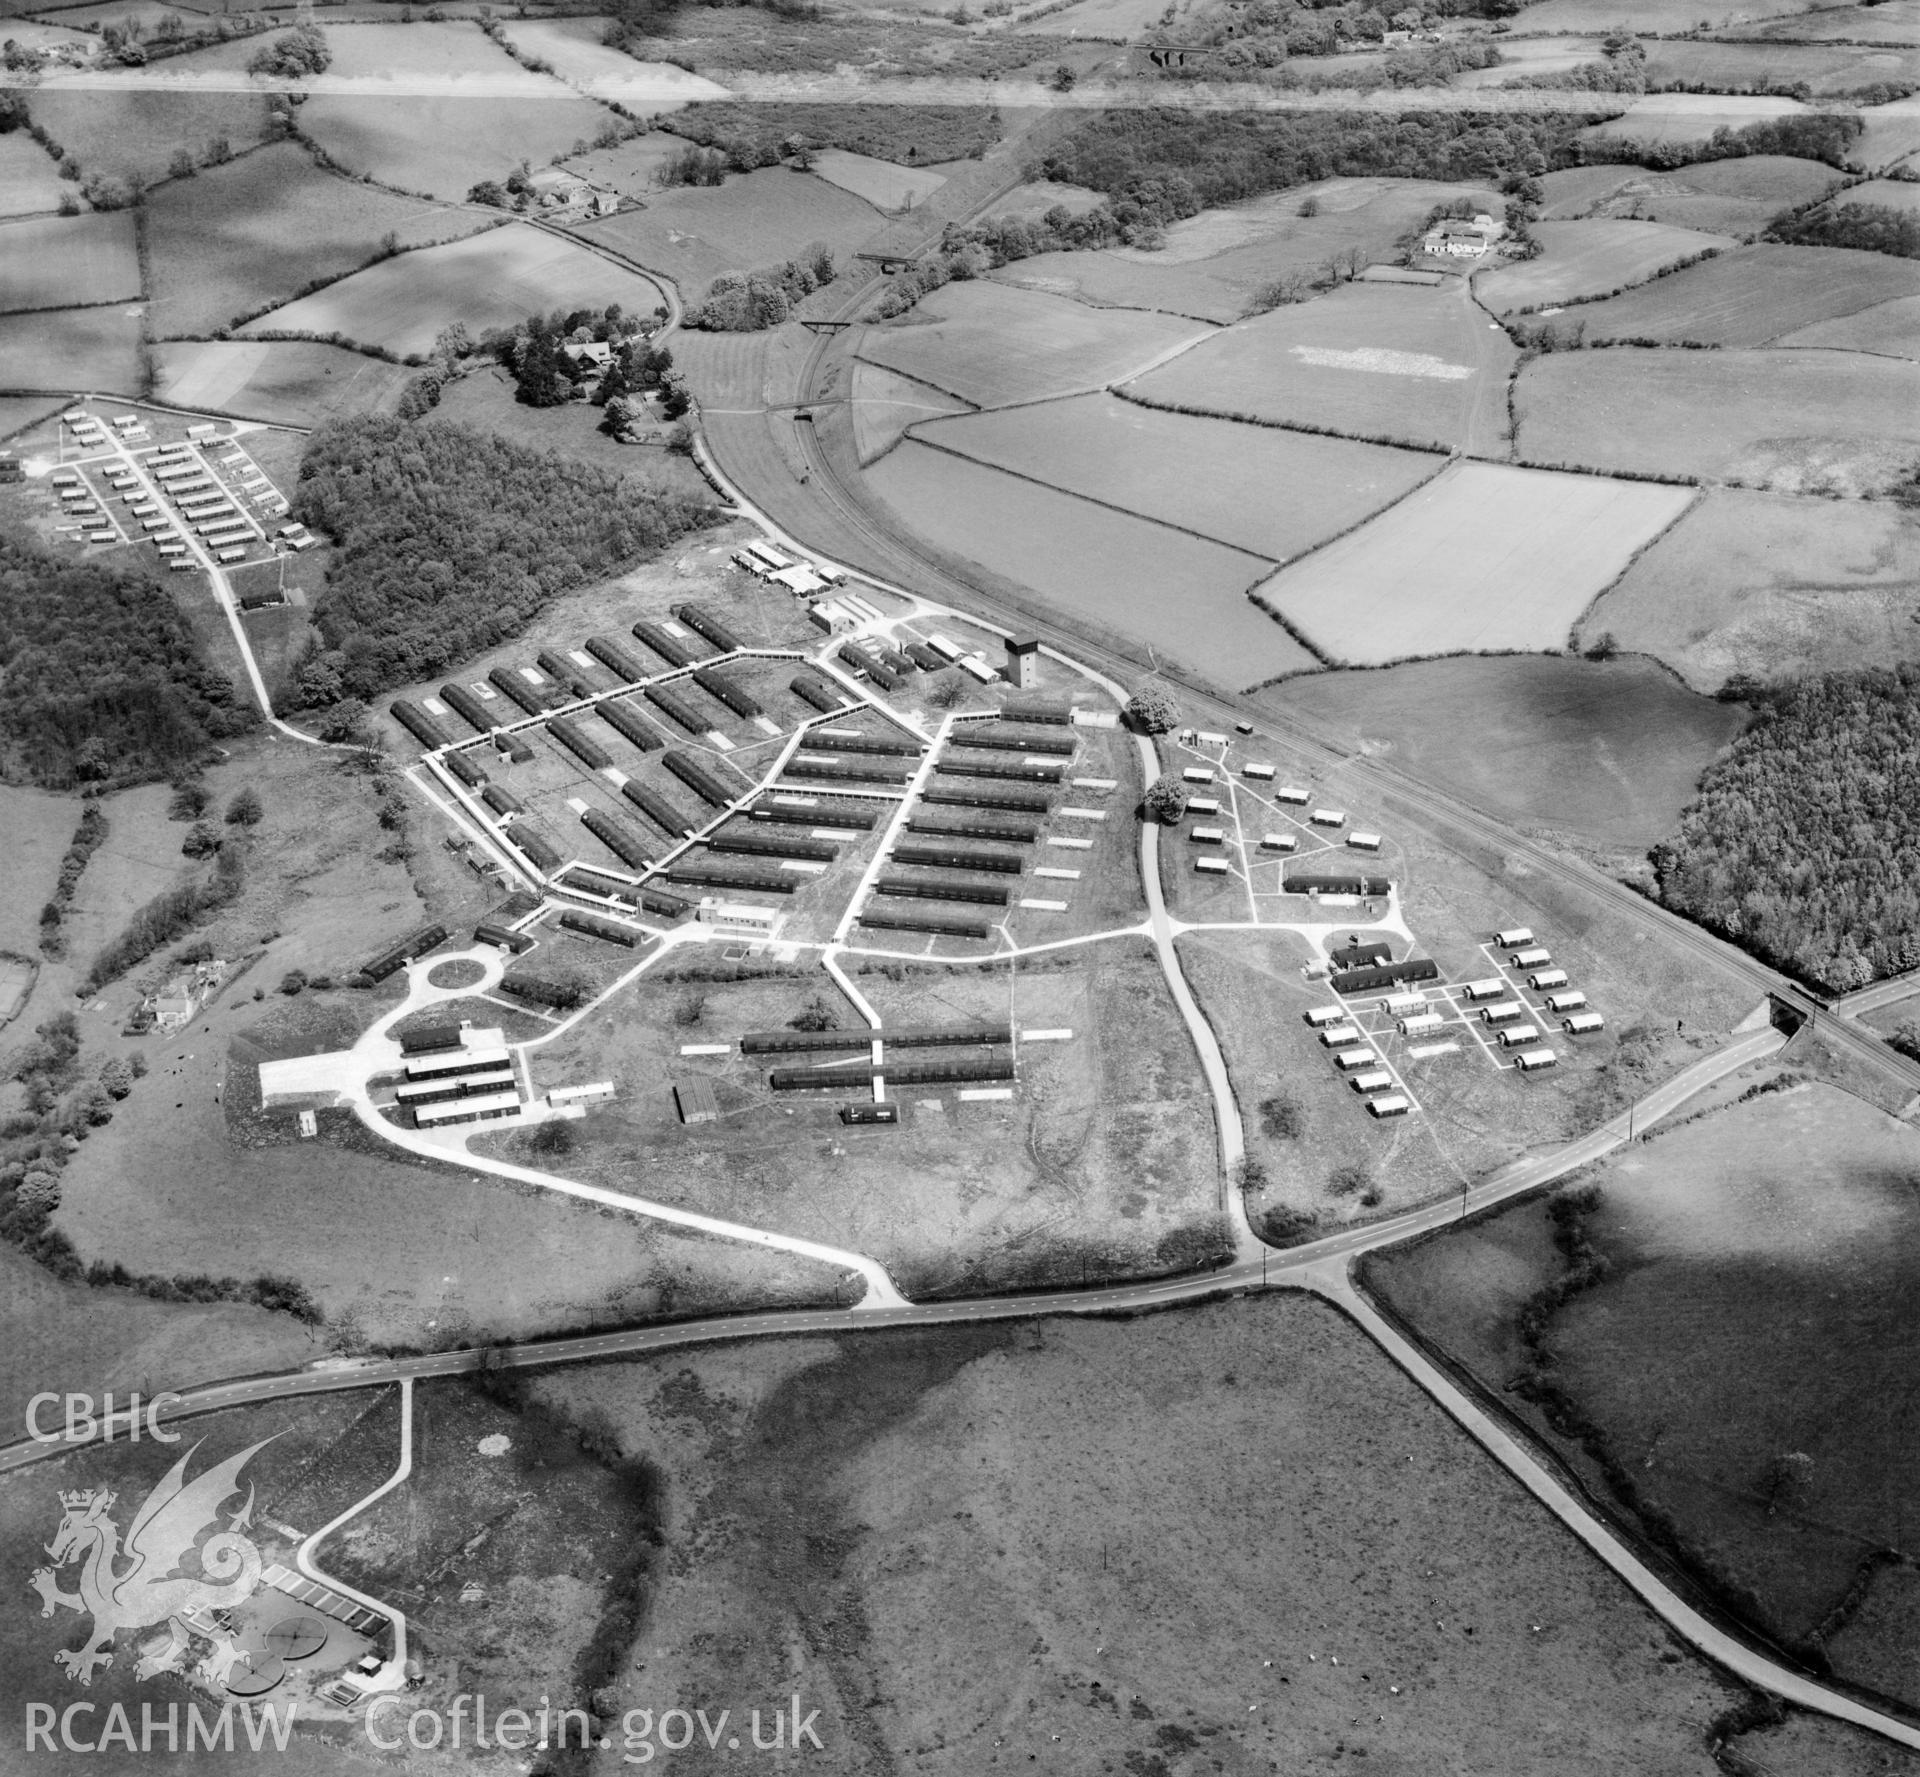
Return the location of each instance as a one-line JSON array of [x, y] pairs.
[[1873, 228], [171, 912], [1620, 68], [638, 370], [87, 838], [1163, 164], [104, 678], [739, 137], [293, 54], [738, 302], [1822, 136], [543, 374], [1804, 843], [452, 539]]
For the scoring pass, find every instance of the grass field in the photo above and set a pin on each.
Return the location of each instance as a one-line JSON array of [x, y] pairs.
[[1773, 587], [573, 47], [886, 403], [132, 133], [1891, 194], [29, 181], [1037, 196], [62, 260], [989, 344], [72, 349], [1756, 1306], [1798, 422], [1210, 476], [1892, 136], [488, 280], [1584, 259], [882, 183], [1138, 1541], [1483, 557], [630, 167], [1752, 296], [1686, 117], [237, 237], [692, 235], [287, 382], [1213, 263], [1889, 328], [1380, 360], [1896, 22], [442, 144], [1737, 66], [1097, 18], [1718, 197], [1642, 15], [21, 413], [1611, 751], [1097, 565]]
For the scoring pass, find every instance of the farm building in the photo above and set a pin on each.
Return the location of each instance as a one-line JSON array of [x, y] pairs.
[[681, 709], [670, 647], [806, 812], [616, 659], [567, 732], [946, 925], [717, 685], [709, 786], [621, 716], [695, 1101], [1415, 968], [941, 856], [604, 929], [459, 698], [621, 840], [657, 809], [703, 623], [810, 688], [916, 888]]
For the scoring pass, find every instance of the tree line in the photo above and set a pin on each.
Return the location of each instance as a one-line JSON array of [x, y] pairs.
[[101, 676], [452, 539], [1803, 845]]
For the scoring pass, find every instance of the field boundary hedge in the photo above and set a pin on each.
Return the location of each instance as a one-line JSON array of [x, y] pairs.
[[1593, 604], [1253, 419], [1572, 302]]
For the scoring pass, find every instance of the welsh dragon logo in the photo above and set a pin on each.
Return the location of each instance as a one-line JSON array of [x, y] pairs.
[[149, 1589]]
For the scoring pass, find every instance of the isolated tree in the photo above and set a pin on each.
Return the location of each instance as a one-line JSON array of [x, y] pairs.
[[1790, 1482], [1350, 1178], [1152, 710], [1166, 800], [245, 810], [1283, 1116], [201, 841], [553, 1137], [816, 1014]]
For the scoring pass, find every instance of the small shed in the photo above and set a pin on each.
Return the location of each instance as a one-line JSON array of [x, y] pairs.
[[696, 1101]]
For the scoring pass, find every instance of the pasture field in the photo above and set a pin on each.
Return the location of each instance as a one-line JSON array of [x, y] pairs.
[[29, 182], [493, 279], [442, 144], [1482, 557], [912, 136], [286, 382], [1116, 19], [882, 183], [421, 51], [132, 132], [691, 235], [1382, 360], [1797, 422], [1530, 56], [1897, 22], [629, 167], [1735, 196], [1771, 586], [1213, 263], [990, 344], [1686, 117], [1892, 194], [1749, 297], [1756, 1305], [58, 261], [1652, 16], [885, 404], [1892, 135], [1743, 66], [235, 238], [1037, 196], [1609, 750], [1584, 259], [990, 1205], [1099, 567], [21, 413], [1270, 492], [72, 349], [1889, 328], [573, 47]]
